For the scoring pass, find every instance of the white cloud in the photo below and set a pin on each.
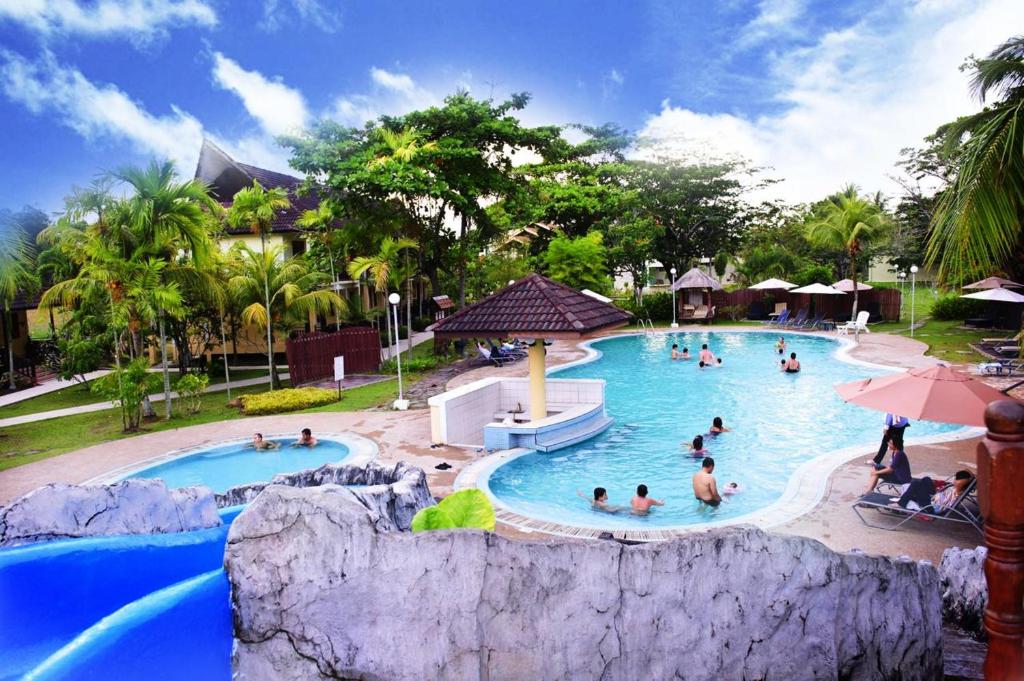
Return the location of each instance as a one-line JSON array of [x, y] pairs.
[[99, 111], [611, 83], [277, 13], [774, 17], [141, 19], [278, 108], [391, 94], [854, 99]]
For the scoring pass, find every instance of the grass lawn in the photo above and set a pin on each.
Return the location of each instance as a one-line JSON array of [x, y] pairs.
[[946, 339], [78, 395], [33, 441]]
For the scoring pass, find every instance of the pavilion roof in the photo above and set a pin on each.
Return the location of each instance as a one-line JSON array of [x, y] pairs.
[[696, 278], [533, 307]]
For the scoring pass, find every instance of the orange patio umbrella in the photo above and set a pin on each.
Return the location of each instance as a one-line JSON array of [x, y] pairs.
[[937, 393]]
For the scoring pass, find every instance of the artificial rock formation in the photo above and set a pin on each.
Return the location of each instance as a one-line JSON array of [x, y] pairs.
[[392, 493], [62, 511], [964, 589], [319, 593]]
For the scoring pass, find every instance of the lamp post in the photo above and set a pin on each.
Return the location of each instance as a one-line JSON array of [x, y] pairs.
[[671, 284], [401, 403], [913, 296]]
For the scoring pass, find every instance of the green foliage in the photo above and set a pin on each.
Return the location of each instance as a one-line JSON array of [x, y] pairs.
[[721, 263], [128, 386], [952, 307], [656, 306], [812, 273], [190, 389], [289, 399], [416, 364], [579, 263], [767, 262], [468, 508], [79, 356], [732, 312]]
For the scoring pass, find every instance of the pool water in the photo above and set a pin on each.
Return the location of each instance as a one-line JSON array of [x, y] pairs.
[[778, 421], [225, 466]]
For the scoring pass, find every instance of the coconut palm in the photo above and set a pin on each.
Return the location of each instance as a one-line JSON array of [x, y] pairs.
[[292, 292], [381, 267], [400, 145], [322, 222], [977, 224], [850, 223], [254, 208], [16, 276]]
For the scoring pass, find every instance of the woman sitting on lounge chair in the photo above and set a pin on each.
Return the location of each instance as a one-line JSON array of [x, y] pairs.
[[922, 493]]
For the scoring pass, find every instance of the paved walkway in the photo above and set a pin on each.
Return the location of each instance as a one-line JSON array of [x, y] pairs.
[[51, 386], [101, 406]]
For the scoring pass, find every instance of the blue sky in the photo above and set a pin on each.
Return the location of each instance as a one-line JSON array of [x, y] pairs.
[[822, 92]]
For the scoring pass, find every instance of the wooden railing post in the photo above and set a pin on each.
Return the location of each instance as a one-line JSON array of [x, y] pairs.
[[1001, 495]]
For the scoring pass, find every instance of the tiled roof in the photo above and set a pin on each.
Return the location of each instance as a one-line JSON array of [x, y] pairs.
[[284, 221], [696, 278], [534, 307]]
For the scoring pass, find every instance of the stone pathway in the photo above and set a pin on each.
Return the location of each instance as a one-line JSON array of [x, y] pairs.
[[46, 387]]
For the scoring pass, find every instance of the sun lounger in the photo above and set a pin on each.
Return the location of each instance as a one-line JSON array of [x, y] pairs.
[[799, 320], [814, 323], [1001, 367], [489, 357], [781, 319], [962, 510]]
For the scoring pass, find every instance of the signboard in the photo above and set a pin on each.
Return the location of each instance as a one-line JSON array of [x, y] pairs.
[[339, 368]]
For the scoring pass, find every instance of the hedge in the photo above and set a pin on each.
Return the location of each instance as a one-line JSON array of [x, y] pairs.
[[289, 399]]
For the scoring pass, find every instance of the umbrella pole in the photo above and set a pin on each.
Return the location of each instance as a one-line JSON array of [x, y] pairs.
[[538, 382]]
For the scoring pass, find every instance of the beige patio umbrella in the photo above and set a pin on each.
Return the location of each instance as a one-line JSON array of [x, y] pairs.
[[937, 393], [999, 295], [993, 282], [772, 285], [846, 286]]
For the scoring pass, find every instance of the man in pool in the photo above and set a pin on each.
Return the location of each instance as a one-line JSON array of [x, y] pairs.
[[642, 503], [600, 500], [675, 351], [793, 365], [706, 355], [704, 487], [306, 439], [259, 443]]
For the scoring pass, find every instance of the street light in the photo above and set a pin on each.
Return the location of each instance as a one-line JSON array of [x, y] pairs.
[[913, 296], [671, 284], [401, 403]]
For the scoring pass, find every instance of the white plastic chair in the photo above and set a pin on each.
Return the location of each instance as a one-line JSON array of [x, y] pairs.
[[859, 324]]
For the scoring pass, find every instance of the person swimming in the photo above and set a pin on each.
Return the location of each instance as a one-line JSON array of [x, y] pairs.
[[780, 345], [705, 489], [793, 364], [718, 362], [782, 365], [732, 488], [306, 439], [642, 503], [675, 351], [259, 443], [686, 353], [697, 447], [700, 364], [600, 501], [717, 426], [706, 355]]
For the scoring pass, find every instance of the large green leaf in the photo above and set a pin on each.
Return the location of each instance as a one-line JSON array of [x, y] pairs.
[[469, 508]]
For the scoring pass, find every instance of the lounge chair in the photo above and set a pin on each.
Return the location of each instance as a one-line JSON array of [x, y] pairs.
[[960, 512], [781, 319], [799, 320], [1001, 367], [489, 357], [814, 323], [774, 316], [858, 324]]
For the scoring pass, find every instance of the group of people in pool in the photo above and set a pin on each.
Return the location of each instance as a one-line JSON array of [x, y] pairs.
[[705, 358], [791, 365], [306, 439]]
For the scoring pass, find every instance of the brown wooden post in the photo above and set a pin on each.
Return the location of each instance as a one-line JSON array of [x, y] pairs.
[[1001, 494]]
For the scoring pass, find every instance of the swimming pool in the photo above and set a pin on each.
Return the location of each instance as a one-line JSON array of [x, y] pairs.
[[234, 463], [779, 422]]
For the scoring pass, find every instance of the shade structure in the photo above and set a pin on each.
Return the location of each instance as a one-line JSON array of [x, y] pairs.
[[818, 289], [937, 393], [999, 295], [846, 286], [993, 282], [772, 284], [534, 308], [696, 278]]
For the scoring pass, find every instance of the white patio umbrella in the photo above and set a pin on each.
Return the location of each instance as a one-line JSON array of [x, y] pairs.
[[772, 284], [999, 295], [846, 285], [818, 289]]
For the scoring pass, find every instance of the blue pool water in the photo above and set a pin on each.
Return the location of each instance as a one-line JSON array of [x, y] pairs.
[[223, 467], [778, 422]]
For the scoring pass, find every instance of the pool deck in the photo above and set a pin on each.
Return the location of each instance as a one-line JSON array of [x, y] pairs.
[[405, 436]]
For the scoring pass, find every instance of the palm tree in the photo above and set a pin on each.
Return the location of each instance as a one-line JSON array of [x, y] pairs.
[[764, 262], [850, 223], [291, 292], [322, 222], [977, 224], [400, 145], [166, 217], [380, 267], [16, 276], [254, 208]]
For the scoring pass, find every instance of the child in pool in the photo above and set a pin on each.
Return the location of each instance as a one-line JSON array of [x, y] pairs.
[[780, 345], [732, 488], [697, 450], [717, 426]]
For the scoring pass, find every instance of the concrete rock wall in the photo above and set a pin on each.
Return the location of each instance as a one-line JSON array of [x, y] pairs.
[[62, 511], [964, 589], [319, 593]]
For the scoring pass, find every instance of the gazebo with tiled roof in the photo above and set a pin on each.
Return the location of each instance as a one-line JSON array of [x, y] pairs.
[[534, 308]]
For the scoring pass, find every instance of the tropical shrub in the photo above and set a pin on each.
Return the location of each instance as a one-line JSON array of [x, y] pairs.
[[951, 307], [190, 389], [579, 263], [733, 312], [813, 273], [414, 364], [468, 508], [289, 399], [79, 356], [128, 386], [656, 307]]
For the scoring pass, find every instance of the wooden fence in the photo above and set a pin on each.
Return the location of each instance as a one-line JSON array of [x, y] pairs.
[[311, 355], [882, 303]]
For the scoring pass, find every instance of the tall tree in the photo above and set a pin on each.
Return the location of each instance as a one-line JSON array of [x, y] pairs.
[[978, 222], [16, 276], [849, 222], [381, 267], [255, 208]]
